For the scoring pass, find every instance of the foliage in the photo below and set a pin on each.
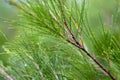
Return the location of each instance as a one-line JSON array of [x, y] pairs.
[[45, 48]]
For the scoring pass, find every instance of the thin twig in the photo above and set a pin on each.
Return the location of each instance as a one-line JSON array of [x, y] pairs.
[[98, 63], [66, 24], [77, 44], [3, 72]]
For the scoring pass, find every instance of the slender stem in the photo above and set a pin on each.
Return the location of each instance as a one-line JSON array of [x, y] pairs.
[[98, 63], [94, 59], [3, 72], [77, 44], [66, 24]]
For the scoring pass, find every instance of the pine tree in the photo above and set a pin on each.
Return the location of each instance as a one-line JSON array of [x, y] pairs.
[[55, 41]]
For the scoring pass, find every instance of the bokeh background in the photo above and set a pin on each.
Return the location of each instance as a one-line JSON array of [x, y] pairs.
[[8, 13]]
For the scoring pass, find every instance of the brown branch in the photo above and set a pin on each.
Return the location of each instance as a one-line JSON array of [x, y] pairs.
[[98, 63], [77, 44], [66, 24]]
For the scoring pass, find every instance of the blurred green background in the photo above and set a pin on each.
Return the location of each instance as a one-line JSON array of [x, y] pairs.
[[8, 13]]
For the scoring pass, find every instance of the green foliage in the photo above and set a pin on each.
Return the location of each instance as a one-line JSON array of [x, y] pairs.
[[42, 51]]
